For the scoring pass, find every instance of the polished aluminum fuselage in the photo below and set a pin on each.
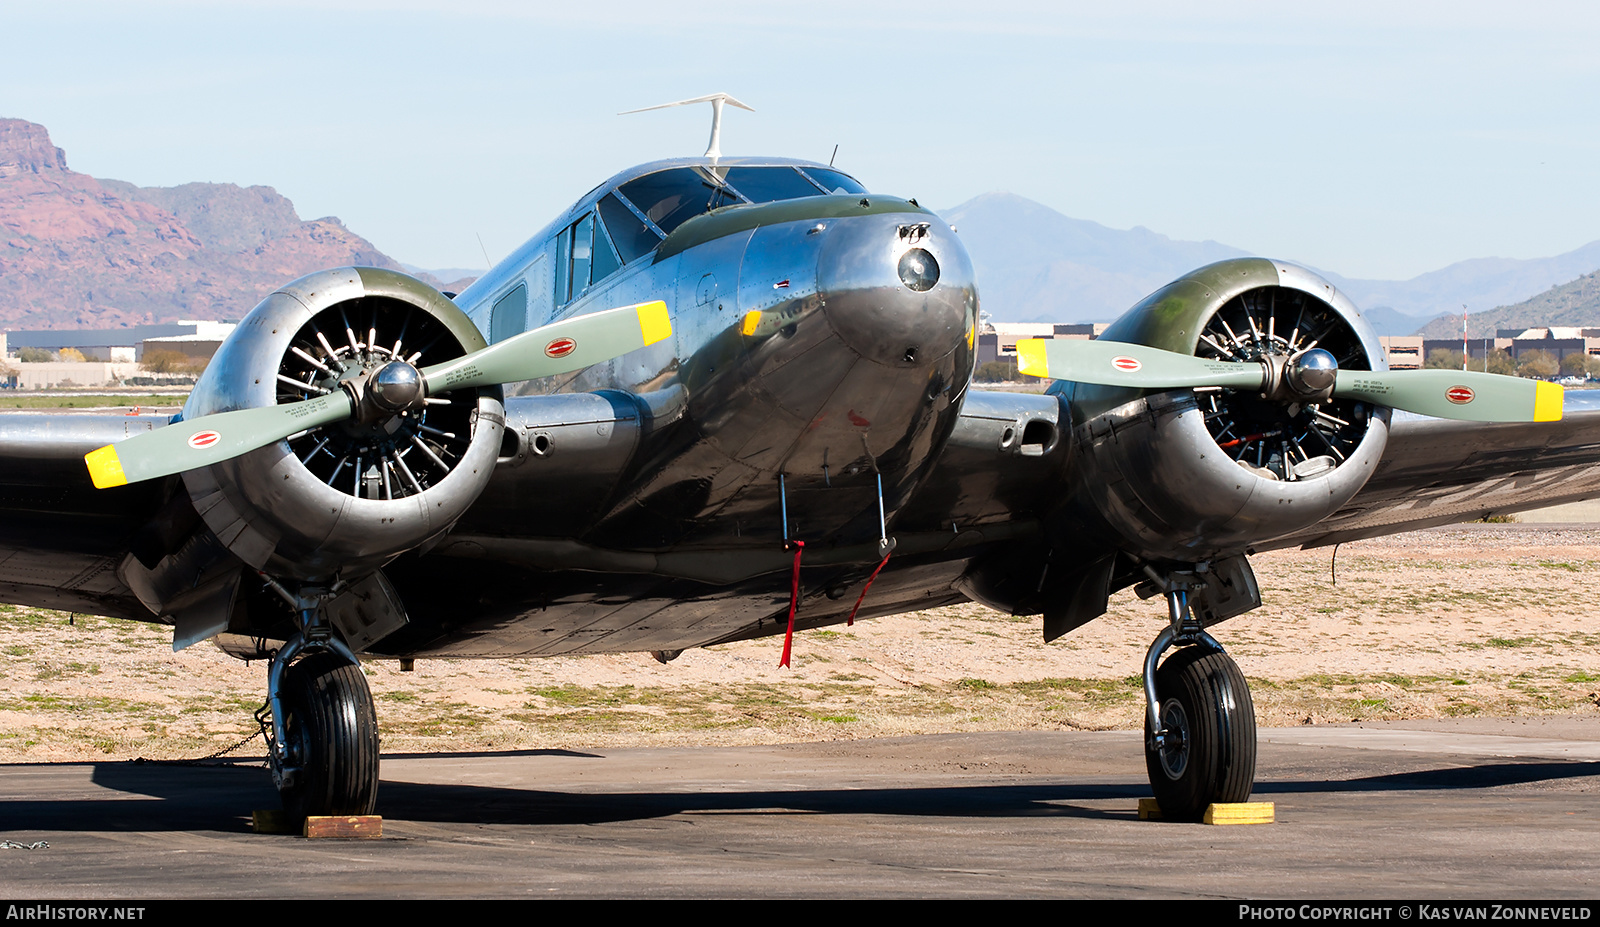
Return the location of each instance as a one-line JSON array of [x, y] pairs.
[[805, 395], [797, 351]]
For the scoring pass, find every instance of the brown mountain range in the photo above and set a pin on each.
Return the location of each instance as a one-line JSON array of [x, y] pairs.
[[77, 252], [1575, 304]]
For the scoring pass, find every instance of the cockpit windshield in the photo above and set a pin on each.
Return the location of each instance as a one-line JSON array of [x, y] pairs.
[[672, 197], [768, 184], [834, 182]]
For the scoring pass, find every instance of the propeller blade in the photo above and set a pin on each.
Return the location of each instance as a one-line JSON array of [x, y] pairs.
[[209, 439], [1453, 394], [560, 347], [1115, 363], [570, 344], [1457, 394]]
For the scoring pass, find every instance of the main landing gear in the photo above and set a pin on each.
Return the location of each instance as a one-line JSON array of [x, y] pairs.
[[1200, 725], [322, 743]]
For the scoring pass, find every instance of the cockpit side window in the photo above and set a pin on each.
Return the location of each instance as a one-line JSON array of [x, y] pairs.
[[574, 248], [582, 253], [672, 197], [769, 184], [604, 263], [585, 256], [632, 237], [563, 272]]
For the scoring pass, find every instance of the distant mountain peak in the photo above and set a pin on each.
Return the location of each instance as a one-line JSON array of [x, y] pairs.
[[25, 147], [79, 251], [1036, 264]]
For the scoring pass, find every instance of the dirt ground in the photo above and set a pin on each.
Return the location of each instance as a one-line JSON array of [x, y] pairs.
[[1492, 620]]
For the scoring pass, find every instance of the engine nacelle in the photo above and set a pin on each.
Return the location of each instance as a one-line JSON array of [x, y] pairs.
[[1192, 474], [348, 497]]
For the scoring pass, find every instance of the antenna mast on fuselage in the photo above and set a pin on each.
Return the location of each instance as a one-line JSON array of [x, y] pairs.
[[713, 150]]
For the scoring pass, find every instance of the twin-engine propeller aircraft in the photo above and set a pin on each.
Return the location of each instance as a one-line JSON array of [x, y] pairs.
[[715, 400]]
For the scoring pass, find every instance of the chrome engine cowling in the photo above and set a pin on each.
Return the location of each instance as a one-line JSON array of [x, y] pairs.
[[343, 499], [1192, 474]]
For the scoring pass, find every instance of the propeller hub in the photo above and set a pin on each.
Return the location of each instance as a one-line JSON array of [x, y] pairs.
[[1312, 373], [395, 387]]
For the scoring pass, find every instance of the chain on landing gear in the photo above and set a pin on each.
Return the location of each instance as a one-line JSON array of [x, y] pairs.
[[319, 720], [1200, 727]]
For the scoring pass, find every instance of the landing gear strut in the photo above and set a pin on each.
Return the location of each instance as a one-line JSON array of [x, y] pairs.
[[1200, 724], [323, 733]]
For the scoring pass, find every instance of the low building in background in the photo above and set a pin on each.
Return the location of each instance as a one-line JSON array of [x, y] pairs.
[[1404, 352], [120, 345], [1557, 341], [998, 340], [68, 374], [193, 347]]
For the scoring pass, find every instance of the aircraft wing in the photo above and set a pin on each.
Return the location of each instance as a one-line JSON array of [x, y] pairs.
[[135, 551], [1438, 472], [61, 540]]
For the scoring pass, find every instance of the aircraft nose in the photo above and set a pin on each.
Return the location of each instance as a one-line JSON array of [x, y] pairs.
[[897, 287]]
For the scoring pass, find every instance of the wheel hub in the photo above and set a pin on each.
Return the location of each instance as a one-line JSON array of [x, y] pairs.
[[1174, 752]]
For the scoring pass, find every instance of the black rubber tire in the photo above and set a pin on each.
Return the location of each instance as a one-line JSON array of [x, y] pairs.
[[1217, 763], [333, 727]]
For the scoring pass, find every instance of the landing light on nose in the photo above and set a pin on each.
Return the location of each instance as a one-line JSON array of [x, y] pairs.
[[918, 270]]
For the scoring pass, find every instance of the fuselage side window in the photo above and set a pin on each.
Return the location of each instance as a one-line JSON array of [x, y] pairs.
[[632, 237], [509, 315], [769, 184]]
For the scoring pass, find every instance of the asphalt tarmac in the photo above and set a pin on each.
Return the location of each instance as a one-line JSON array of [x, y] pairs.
[[1502, 809]]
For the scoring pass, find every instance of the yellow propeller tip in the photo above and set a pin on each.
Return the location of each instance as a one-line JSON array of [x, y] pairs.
[[1547, 403], [105, 468], [654, 322], [1031, 359]]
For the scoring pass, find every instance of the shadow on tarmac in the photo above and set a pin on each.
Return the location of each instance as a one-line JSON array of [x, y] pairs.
[[219, 797]]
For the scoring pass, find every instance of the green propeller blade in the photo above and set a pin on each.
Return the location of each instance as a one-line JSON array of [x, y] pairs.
[[1114, 363], [1460, 395], [560, 347], [209, 439], [571, 344]]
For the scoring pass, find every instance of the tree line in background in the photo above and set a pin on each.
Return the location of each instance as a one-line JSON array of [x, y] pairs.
[[1536, 364], [157, 361]]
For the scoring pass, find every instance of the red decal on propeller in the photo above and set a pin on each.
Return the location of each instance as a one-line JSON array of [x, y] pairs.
[[1125, 363], [1460, 395], [560, 347], [203, 439]]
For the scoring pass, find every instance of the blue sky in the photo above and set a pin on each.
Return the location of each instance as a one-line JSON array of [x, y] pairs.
[[1373, 139]]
